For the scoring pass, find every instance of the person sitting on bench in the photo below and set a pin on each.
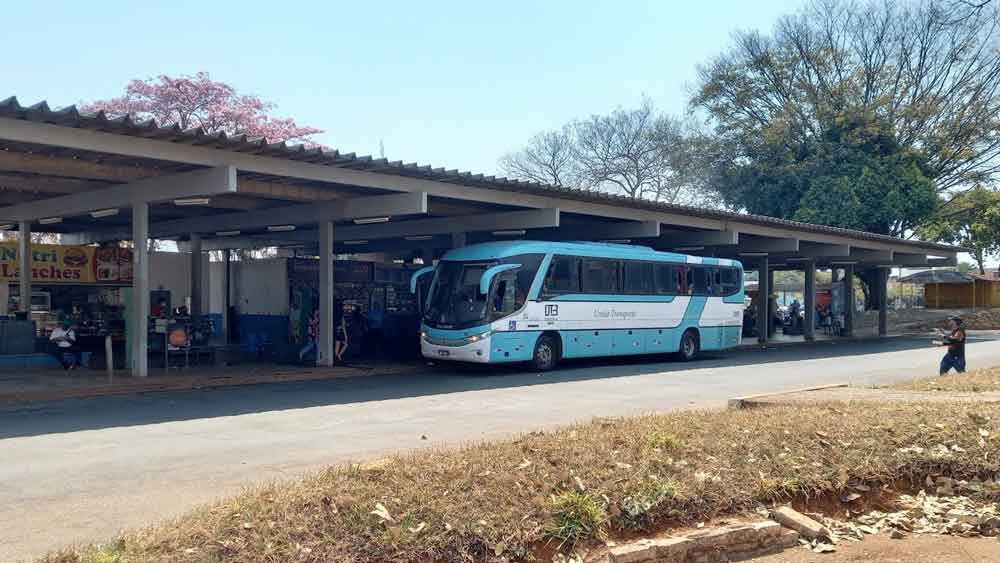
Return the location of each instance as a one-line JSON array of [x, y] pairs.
[[62, 343]]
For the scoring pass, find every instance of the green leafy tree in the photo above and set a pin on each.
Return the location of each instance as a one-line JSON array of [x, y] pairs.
[[861, 114], [971, 220], [854, 175], [924, 73]]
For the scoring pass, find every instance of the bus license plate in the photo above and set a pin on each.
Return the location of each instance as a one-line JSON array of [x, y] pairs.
[[443, 353]]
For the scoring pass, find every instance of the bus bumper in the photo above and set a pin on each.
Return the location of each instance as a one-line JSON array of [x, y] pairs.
[[478, 352]]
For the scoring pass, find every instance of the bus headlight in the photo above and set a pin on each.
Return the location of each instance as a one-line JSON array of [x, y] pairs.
[[477, 337], [423, 334]]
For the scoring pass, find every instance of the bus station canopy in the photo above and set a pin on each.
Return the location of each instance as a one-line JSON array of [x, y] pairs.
[[67, 172]]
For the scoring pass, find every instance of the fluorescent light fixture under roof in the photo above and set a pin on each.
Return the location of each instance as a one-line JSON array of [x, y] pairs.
[[371, 220], [50, 220], [281, 228], [192, 201], [618, 241], [516, 233], [355, 242], [226, 233], [104, 213], [419, 237], [7, 227], [689, 248]]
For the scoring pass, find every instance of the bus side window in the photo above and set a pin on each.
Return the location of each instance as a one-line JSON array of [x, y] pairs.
[[689, 283], [681, 276], [600, 276], [699, 276], [667, 279], [638, 278], [714, 285], [563, 276], [730, 281]]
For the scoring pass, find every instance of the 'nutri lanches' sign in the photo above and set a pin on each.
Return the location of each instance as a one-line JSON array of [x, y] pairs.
[[53, 263]]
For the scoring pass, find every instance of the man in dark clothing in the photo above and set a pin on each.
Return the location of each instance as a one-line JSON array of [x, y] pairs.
[[955, 341]]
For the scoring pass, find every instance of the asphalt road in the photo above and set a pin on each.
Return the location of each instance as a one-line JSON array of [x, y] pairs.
[[79, 471]]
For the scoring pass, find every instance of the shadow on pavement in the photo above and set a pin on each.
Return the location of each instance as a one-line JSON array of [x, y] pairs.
[[132, 410]]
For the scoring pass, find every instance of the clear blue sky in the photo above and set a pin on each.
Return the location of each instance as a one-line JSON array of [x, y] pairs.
[[453, 84]]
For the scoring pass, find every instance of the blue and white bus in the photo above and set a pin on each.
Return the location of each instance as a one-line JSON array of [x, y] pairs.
[[540, 302]]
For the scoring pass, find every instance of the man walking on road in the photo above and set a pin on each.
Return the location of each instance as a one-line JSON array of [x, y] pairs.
[[955, 357]]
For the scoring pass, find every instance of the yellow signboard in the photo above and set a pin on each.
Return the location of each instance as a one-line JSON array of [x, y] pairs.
[[53, 263]]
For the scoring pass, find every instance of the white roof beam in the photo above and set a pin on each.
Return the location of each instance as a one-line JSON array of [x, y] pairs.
[[820, 250], [870, 255], [769, 245], [909, 260], [214, 181], [940, 262], [624, 230], [530, 219], [414, 203], [675, 239]]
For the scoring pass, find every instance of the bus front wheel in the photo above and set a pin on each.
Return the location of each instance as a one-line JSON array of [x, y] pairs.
[[690, 346], [546, 354]]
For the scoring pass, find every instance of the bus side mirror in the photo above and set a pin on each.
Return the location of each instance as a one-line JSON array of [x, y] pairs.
[[415, 278], [490, 273]]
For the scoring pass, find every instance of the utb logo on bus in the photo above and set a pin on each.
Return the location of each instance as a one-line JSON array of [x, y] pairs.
[[552, 310]]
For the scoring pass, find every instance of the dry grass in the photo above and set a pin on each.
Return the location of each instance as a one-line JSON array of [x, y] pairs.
[[611, 477], [979, 381]]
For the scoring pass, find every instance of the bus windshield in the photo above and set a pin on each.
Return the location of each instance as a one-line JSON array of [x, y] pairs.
[[454, 300]]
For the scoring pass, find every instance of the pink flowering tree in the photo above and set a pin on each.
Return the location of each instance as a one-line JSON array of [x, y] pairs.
[[199, 101]]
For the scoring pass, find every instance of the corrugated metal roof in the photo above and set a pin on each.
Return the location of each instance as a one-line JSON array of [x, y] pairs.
[[936, 276], [126, 125]]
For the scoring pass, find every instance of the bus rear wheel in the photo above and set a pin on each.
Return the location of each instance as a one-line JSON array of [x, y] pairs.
[[546, 354], [690, 346]]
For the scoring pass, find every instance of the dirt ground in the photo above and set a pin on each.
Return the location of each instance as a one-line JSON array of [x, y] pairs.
[[874, 394], [914, 549]]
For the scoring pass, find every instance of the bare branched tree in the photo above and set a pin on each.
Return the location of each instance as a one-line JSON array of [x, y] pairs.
[[635, 152], [961, 9], [638, 153], [547, 159], [623, 151]]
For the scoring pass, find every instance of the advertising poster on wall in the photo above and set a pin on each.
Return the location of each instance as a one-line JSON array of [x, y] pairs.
[[66, 264]]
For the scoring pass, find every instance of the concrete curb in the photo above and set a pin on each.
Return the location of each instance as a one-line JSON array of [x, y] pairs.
[[743, 402], [716, 545]]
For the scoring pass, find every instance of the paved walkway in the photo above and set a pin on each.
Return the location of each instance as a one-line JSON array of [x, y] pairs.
[[79, 470], [53, 385]]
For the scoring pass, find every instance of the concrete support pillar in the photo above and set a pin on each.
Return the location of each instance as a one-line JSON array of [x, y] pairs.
[[883, 301], [195, 275], [458, 240], [324, 350], [24, 267], [227, 275], [764, 278], [848, 300], [809, 298], [140, 290]]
